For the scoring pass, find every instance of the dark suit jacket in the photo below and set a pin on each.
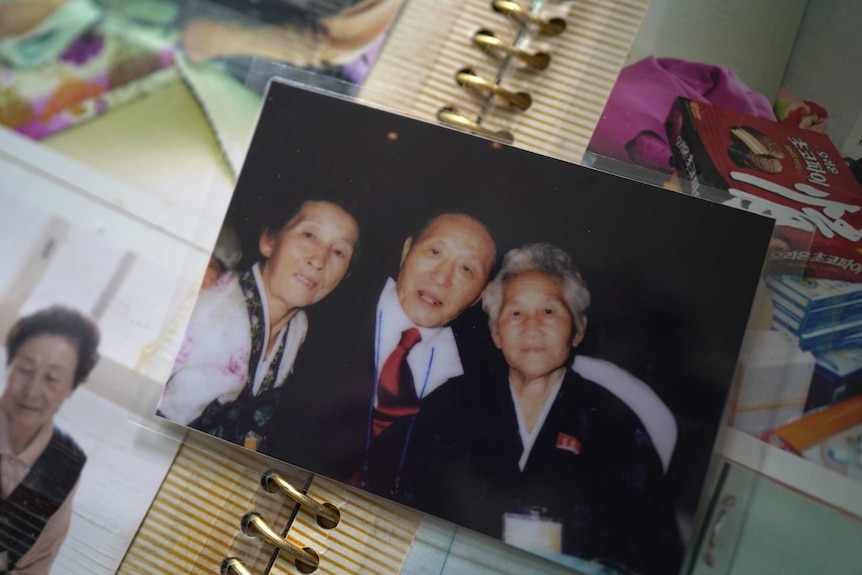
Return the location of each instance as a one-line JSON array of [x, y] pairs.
[[609, 497], [321, 422]]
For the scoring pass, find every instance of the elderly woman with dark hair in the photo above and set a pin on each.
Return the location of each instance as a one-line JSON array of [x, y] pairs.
[[247, 328], [555, 447], [49, 354]]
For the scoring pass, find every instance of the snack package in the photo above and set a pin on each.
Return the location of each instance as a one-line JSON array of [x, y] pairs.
[[774, 382], [837, 376], [795, 176]]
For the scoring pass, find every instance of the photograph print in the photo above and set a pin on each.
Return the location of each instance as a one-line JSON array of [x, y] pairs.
[[84, 291], [528, 348]]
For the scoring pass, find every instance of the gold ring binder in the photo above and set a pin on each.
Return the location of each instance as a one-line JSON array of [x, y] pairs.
[[485, 39], [470, 79], [233, 564], [305, 558], [328, 515], [451, 116], [514, 10], [488, 41]]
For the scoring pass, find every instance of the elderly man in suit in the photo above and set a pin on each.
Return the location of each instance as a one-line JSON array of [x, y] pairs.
[[378, 384]]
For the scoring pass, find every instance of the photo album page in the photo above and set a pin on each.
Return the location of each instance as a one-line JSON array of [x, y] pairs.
[[531, 349]]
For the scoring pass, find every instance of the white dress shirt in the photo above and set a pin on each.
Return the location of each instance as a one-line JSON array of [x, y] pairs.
[[432, 361]]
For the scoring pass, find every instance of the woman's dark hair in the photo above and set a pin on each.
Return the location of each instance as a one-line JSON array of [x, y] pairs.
[[70, 324], [274, 220]]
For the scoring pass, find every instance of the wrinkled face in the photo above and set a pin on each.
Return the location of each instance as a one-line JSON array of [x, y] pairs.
[[40, 377], [309, 256], [445, 270], [535, 329]]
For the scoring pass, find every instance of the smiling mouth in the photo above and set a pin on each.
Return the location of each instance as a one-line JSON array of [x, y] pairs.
[[306, 281], [532, 350], [23, 407], [429, 299]]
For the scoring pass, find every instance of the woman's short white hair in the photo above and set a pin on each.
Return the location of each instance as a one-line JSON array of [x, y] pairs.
[[546, 259]]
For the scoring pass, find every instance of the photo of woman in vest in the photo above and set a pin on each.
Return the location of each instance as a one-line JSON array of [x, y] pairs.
[[48, 354]]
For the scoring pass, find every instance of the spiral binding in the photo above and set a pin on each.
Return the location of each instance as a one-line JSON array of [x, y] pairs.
[[514, 10], [486, 40], [253, 524], [490, 90]]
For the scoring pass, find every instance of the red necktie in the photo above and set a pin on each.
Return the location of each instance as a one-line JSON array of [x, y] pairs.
[[396, 394]]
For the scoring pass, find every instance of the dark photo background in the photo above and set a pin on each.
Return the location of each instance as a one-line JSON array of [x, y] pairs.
[[672, 278]]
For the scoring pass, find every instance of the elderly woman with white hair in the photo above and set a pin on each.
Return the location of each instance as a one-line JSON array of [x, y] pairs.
[[562, 460]]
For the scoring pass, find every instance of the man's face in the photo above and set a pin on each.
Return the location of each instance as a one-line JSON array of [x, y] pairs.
[[308, 258], [40, 377], [445, 270], [535, 329]]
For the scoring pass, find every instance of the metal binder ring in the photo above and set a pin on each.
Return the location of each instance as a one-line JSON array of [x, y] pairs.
[[486, 39], [304, 555], [515, 10], [451, 116], [470, 79], [233, 564], [328, 515]]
